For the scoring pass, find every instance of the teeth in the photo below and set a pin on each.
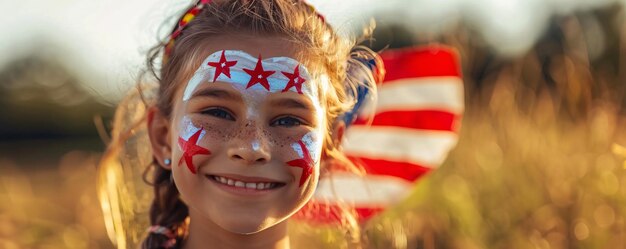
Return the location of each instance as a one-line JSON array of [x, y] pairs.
[[222, 179], [248, 185]]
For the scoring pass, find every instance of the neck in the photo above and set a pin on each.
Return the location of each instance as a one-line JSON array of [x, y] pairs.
[[204, 233]]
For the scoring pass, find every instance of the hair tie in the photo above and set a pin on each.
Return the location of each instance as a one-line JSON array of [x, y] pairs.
[[156, 229], [189, 15]]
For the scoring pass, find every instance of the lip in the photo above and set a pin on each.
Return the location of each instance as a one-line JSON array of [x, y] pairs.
[[244, 191]]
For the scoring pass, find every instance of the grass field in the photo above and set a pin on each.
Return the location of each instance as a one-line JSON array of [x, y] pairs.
[[514, 181]]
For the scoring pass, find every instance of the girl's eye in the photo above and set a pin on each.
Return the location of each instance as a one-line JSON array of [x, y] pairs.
[[286, 122], [219, 113]]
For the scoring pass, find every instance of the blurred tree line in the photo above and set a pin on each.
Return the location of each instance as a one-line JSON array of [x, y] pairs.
[[45, 110], [580, 58]]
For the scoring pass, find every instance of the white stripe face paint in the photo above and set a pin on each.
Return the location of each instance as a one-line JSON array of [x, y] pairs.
[[238, 67], [187, 129], [189, 136], [314, 145]]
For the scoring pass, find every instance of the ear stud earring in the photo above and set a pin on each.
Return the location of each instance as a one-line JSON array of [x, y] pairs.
[[167, 161]]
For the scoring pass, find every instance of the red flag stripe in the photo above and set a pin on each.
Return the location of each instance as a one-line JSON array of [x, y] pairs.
[[365, 195], [403, 170], [427, 62], [319, 213], [421, 119]]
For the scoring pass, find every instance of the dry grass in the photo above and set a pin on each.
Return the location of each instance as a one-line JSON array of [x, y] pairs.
[[518, 181], [52, 208]]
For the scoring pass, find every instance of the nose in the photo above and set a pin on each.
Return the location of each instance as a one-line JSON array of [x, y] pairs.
[[250, 147]]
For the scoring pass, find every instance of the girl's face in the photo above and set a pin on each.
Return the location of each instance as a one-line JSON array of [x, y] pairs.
[[246, 135]]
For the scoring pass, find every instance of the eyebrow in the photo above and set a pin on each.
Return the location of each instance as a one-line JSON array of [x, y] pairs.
[[216, 93], [292, 103]]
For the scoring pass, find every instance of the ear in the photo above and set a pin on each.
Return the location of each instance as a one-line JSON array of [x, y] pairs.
[[159, 133]]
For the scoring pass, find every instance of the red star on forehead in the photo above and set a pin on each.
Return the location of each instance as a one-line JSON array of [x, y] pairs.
[[258, 75], [294, 80], [190, 149], [222, 66], [306, 163]]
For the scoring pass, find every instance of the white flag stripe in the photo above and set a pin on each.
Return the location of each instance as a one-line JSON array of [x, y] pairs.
[[428, 93], [421, 147], [376, 190]]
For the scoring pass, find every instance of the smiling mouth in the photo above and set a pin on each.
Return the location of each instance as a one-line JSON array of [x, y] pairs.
[[245, 185]]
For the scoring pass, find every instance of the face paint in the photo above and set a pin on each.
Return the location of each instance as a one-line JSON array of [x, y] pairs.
[[256, 79], [258, 75], [313, 142], [242, 69], [306, 163], [304, 147], [256, 146], [188, 144], [222, 66], [295, 80]]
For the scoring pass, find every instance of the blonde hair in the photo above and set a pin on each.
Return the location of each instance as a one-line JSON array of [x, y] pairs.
[[326, 52]]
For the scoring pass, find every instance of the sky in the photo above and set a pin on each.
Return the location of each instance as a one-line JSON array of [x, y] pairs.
[[104, 42]]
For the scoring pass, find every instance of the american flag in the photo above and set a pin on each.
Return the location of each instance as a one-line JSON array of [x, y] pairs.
[[415, 124]]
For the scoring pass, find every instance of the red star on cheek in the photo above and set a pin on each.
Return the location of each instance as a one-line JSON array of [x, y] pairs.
[[222, 66], [294, 80], [306, 163], [190, 149], [258, 75]]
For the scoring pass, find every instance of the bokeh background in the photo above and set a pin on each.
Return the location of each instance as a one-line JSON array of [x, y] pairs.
[[540, 158]]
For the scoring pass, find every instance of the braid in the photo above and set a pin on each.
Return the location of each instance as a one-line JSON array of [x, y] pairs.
[[167, 211]]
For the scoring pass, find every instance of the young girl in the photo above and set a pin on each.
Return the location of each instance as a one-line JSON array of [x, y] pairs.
[[246, 117]]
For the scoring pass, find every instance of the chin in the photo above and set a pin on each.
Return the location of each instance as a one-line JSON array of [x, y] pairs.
[[245, 226]]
